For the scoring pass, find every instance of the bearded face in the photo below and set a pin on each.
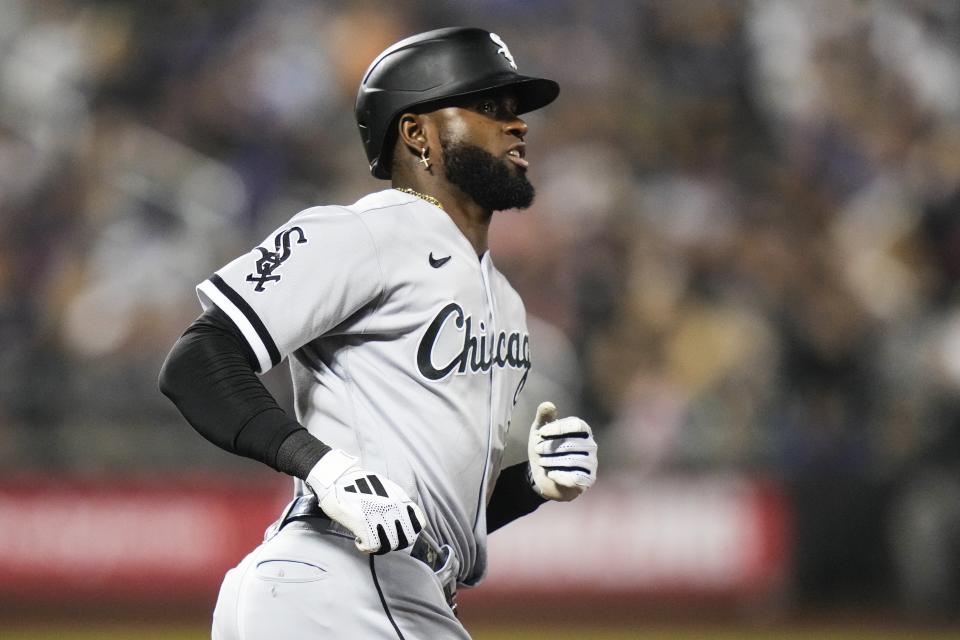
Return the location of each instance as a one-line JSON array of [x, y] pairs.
[[494, 183]]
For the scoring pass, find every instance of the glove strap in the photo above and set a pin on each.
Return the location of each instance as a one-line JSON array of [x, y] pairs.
[[331, 466]]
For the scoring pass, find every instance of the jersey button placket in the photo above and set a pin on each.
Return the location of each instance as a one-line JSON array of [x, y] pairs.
[[488, 330]]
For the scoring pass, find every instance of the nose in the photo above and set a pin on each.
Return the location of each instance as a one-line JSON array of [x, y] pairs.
[[516, 127]]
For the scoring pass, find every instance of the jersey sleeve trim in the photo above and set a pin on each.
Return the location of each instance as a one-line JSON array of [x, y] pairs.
[[246, 319]]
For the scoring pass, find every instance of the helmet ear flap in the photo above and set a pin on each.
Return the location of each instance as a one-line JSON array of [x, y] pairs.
[[382, 165]]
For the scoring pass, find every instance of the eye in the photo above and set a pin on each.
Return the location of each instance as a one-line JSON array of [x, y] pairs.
[[488, 106]]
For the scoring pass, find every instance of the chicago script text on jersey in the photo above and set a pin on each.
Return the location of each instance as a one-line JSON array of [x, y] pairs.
[[478, 353]]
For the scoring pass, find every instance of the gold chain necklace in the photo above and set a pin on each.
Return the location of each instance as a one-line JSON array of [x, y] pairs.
[[422, 196]]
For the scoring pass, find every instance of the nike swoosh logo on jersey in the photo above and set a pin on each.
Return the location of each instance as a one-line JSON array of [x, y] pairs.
[[436, 263]]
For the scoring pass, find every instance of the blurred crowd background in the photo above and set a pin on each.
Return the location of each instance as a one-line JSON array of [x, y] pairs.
[[744, 253]]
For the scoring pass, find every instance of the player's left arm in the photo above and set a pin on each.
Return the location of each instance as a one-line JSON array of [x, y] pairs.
[[513, 497], [562, 465]]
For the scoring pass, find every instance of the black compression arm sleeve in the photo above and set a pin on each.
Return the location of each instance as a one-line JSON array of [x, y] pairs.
[[209, 374], [513, 497]]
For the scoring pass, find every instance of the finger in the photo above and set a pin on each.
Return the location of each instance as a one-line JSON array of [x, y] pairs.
[[546, 413], [417, 519], [365, 544], [568, 477], [573, 460], [569, 427], [562, 446], [402, 542], [410, 523], [368, 539], [385, 546], [373, 538]]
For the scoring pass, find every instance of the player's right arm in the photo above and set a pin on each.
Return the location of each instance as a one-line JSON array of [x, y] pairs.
[[211, 375]]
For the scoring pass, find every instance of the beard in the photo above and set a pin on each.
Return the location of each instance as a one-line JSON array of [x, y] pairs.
[[491, 182]]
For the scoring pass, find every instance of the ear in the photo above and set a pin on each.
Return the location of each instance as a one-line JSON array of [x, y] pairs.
[[412, 132]]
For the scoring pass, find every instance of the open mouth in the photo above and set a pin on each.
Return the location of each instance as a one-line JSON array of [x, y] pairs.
[[517, 155]]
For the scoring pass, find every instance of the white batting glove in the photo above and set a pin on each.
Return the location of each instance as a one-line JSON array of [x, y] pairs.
[[563, 455], [376, 510]]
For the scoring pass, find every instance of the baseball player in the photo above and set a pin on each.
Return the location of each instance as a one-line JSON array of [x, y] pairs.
[[408, 350]]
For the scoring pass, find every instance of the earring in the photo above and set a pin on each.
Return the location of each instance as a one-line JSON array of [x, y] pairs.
[[423, 159]]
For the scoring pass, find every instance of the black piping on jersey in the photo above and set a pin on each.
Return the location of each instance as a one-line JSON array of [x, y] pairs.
[[251, 317], [383, 600]]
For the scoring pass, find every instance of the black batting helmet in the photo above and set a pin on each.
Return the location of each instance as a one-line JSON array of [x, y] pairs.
[[433, 66]]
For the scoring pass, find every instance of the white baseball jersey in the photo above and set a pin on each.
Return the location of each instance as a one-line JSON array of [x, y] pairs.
[[406, 349]]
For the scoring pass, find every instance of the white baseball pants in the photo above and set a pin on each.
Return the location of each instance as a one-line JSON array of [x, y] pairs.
[[308, 582]]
